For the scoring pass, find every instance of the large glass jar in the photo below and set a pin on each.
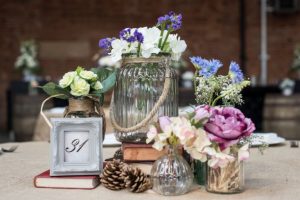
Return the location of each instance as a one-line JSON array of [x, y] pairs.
[[171, 174], [227, 180], [146, 88]]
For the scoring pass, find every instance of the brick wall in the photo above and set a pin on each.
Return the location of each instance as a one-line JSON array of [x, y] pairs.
[[211, 29]]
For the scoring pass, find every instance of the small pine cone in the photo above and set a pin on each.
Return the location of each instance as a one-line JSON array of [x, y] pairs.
[[111, 176], [136, 180]]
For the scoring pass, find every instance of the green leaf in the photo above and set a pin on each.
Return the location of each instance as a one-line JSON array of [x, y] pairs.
[[102, 73], [107, 84], [53, 89]]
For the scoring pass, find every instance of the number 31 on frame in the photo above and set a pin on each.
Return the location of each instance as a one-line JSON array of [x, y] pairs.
[[76, 146]]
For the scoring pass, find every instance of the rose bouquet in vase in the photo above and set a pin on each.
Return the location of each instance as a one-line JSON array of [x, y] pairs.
[[146, 86], [84, 91], [227, 129]]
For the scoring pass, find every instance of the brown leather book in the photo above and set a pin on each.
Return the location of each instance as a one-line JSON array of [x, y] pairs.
[[141, 152]]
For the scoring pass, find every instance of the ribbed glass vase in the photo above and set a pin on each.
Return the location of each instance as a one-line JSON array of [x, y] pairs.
[[171, 175], [140, 83]]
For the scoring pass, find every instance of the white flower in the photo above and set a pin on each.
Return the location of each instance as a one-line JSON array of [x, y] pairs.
[[118, 48], [219, 159], [67, 79], [150, 43], [97, 85], [88, 75], [197, 147], [151, 134], [106, 61], [80, 87], [243, 153], [177, 47]]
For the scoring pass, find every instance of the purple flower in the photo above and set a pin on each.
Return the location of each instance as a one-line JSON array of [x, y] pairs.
[[207, 68], [171, 21], [105, 43], [235, 72], [125, 34], [227, 125], [139, 36]]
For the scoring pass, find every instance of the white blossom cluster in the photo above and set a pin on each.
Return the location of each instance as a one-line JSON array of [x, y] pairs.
[[28, 58], [208, 89]]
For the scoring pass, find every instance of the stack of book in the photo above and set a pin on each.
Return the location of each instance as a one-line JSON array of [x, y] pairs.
[[141, 155]]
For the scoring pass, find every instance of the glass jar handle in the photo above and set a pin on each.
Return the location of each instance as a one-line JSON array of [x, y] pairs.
[[150, 115]]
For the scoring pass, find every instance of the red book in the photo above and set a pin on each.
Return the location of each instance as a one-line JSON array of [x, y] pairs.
[[44, 180]]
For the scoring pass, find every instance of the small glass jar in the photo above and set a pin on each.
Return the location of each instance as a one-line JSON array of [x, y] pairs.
[[227, 180], [171, 175]]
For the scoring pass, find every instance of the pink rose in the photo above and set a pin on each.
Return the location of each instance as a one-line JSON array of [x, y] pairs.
[[227, 125]]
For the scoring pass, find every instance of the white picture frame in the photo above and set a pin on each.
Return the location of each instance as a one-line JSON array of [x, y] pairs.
[[76, 146]]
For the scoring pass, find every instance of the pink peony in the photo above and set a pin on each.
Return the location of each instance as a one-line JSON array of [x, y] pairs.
[[227, 125]]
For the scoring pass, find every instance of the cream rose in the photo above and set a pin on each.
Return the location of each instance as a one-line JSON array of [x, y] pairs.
[[67, 79], [80, 87], [88, 75], [97, 85]]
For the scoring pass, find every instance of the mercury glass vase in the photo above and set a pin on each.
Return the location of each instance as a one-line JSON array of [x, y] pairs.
[[227, 180], [140, 83], [171, 174]]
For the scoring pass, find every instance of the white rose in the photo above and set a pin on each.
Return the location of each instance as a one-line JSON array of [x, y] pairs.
[[67, 79], [97, 85], [88, 75], [80, 87]]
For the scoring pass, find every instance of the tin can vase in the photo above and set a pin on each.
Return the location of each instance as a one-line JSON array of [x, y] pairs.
[[146, 88]]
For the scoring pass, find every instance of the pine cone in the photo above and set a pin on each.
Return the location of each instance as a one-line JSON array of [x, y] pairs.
[[136, 180], [111, 176]]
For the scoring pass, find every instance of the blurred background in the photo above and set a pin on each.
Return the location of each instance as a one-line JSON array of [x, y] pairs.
[[55, 36]]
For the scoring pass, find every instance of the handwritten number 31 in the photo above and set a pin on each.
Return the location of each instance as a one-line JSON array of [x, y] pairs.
[[75, 143]]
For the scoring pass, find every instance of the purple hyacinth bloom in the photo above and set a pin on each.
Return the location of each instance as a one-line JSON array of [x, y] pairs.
[[235, 72], [172, 21], [139, 36], [207, 68], [105, 44]]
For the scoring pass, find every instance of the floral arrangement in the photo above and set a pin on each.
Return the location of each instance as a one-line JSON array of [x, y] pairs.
[[27, 61], [213, 134], [211, 88], [82, 83], [145, 41], [217, 134]]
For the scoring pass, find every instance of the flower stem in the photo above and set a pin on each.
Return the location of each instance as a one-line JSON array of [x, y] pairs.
[[161, 34], [163, 44], [139, 50], [216, 100]]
